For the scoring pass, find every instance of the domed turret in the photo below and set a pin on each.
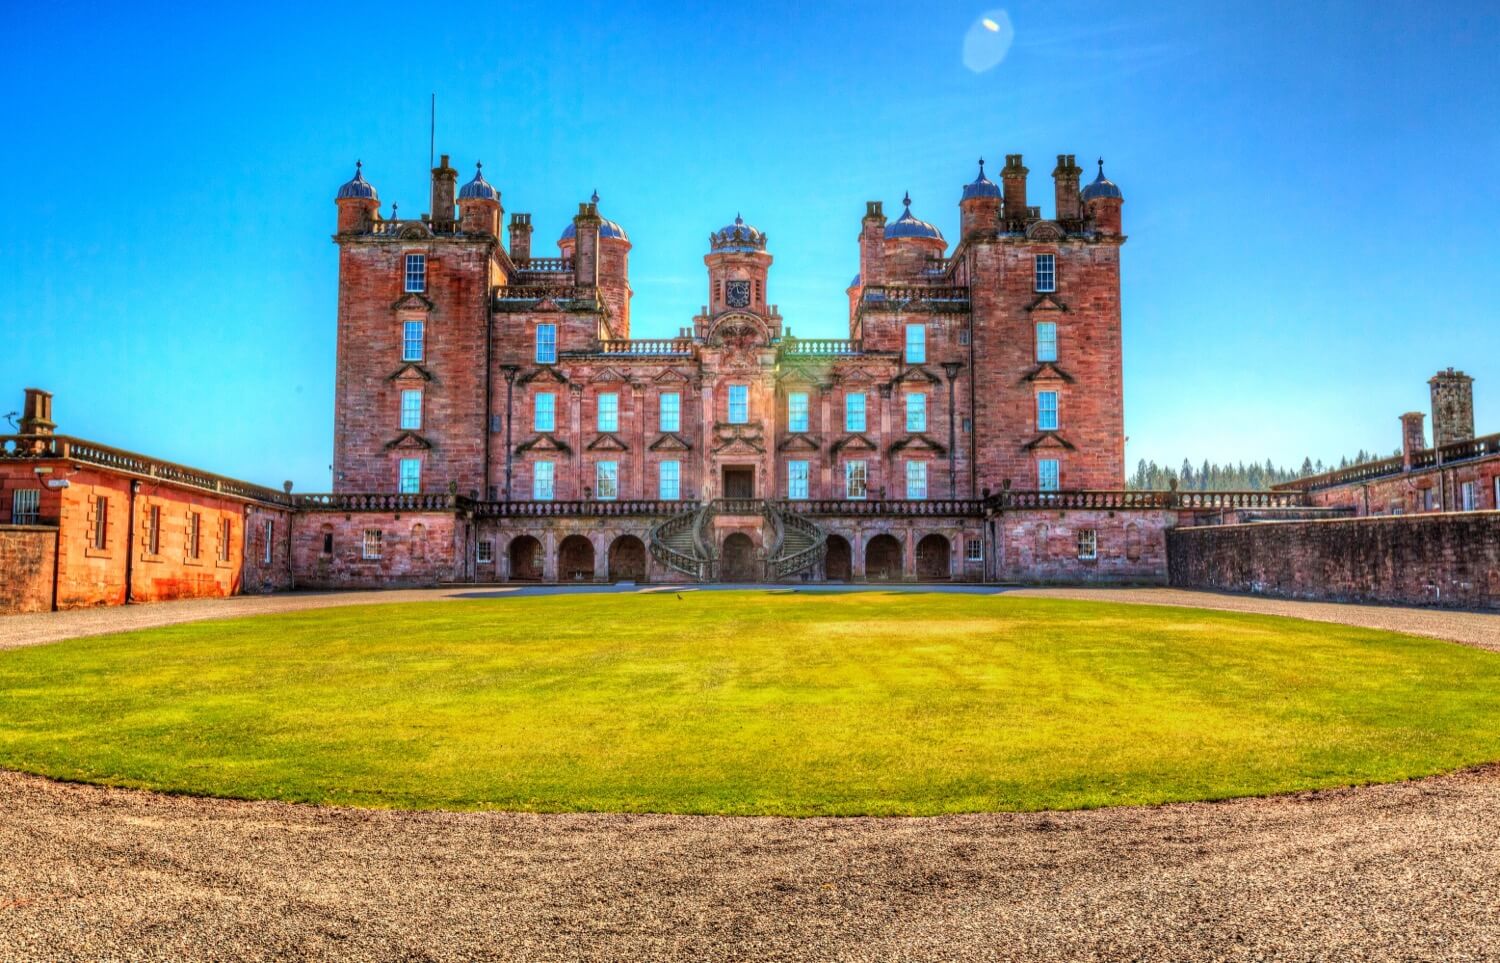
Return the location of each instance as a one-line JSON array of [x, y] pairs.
[[607, 228], [479, 205], [979, 208], [357, 187], [478, 189], [908, 226], [738, 236], [1102, 200], [358, 203], [981, 186], [1101, 187]]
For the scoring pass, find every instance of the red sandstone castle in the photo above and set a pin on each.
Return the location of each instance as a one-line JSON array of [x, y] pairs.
[[496, 422]]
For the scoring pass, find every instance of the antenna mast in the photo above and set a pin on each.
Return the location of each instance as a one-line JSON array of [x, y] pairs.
[[432, 131]]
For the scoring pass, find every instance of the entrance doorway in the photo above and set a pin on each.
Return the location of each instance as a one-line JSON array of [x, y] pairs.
[[932, 557], [627, 560], [575, 560], [739, 559], [525, 559], [739, 481], [883, 559], [836, 564]]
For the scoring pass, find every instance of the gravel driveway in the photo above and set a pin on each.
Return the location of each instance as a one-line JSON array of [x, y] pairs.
[[1400, 872]]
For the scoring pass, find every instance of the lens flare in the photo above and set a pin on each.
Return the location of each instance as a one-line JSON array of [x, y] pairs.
[[988, 41]]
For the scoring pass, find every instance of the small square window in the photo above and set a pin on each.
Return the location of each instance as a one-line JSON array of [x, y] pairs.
[[372, 545], [25, 506], [416, 272], [974, 550], [485, 553], [1088, 544], [963, 336], [1046, 272]]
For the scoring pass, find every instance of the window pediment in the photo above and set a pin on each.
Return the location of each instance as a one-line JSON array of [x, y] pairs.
[[411, 371], [1046, 302], [546, 441], [918, 442], [1047, 371], [854, 442], [1048, 439], [413, 301], [546, 374], [670, 441], [607, 441], [408, 441], [801, 441]]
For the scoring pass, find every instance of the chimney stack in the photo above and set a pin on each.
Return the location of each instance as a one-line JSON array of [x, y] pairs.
[[520, 237], [36, 416], [1452, 407], [872, 245], [1065, 188], [1413, 437], [1013, 177], [444, 184], [586, 243]]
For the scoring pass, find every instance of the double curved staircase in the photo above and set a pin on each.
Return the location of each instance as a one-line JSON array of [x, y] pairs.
[[686, 544]]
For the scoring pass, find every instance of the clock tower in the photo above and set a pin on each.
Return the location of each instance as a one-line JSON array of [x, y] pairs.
[[737, 267]]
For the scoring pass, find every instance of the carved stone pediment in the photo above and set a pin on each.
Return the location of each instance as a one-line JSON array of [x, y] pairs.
[[1045, 231], [918, 442], [546, 305], [408, 441], [916, 374], [799, 375], [1047, 302], [1048, 439], [671, 375], [607, 376], [546, 374], [852, 376], [670, 441], [738, 439], [412, 301], [801, 441], [607, 441], [855, 442], [1047, 371], [411, 371], [546, 441]]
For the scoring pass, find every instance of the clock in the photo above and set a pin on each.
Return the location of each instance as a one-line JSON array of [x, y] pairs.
[[737, 293]]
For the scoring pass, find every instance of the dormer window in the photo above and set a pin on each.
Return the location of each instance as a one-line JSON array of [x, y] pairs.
[[1046, 273], [416, 272]]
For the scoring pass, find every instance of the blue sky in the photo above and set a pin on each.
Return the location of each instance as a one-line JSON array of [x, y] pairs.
[[1311, 189]]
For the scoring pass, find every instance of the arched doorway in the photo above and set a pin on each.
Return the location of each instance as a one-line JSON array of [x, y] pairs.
[[575, 559], [933, 553], [838, 563], [738, 561], [883, 559], [525, 559], [627, 559]]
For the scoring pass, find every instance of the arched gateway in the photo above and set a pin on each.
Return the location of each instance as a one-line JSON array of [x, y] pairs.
[[883, 559], [627, 559], [838, 563], [932, 557], [575, 559], [525, 559], [738, 560]]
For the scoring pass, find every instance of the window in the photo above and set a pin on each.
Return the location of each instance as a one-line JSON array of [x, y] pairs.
[[546, 344], [153, 530], [607, 480], [916, 344], [1046, 411], [1496, 506], [1468, 496], [608, 417], [968, 425], [224, 531], [796, 411], [1046, 475], [327, 543], [541, 481], [796, 479], [411, 408], [916, 411], [669, 481], [544, 412], [25, 506], [963, 336], [1046, 341], [739, 404], [269, 530], [854, 479], [485, 553], [495, 425], [372, 543], [916, 479], [416, 272], [194, 534], [1429, 500], [671, 411], [101, 521], [1088, 544], [411, 475], [854, 411], [1046, 272], [974, 550], [412, 337]]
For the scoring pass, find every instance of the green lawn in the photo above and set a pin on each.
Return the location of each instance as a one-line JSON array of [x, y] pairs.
[[748, 702]]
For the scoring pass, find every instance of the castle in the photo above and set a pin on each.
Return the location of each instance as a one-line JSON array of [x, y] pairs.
[[497, 422]]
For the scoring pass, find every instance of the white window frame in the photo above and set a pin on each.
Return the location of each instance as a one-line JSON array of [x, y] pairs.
[[544, 402], [797, 476], [797, 414], [1046, 411], [413, 340], [916, 344], [1429, 499], [1468, 496], [372, 546], [484, 551], [856, 480], [855, 412], [973, 549], [607, 411], [25, 506], [916, 411], [1046, 341], [411, 409], [409, 476], [1048, 474], [416, 273], [669, 411], [739, 404], [606, 481], [1088, 544], [916, 481], [543, 481], [1044, 273], [546, 343], [268, 533], [669, 481]]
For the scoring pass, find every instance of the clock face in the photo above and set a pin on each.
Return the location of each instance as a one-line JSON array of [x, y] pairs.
[[737, 294]]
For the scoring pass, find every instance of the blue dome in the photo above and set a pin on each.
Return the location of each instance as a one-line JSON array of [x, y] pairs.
[[358, 187], [478, 189], [607, 229], [855, 282], [908, 226], [982, 186], [738, 236], [1101, 187]]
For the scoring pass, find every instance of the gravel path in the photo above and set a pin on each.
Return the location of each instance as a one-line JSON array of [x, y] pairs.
[[1400, 872]]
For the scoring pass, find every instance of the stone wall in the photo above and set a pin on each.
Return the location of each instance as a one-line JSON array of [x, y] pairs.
[[1051, 546], [331, 550], [26, 559], [1450, 559]]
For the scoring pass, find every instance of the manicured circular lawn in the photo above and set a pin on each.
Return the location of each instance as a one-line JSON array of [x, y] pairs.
[[748, 702]]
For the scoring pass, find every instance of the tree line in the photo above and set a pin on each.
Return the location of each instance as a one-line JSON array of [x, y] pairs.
[[1213, 477]]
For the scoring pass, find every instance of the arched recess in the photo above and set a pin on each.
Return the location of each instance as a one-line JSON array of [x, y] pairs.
[[627, 559], [575, 559], [883, 559], [838, 563], [737, 562], [933, 556], [525, 559]]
